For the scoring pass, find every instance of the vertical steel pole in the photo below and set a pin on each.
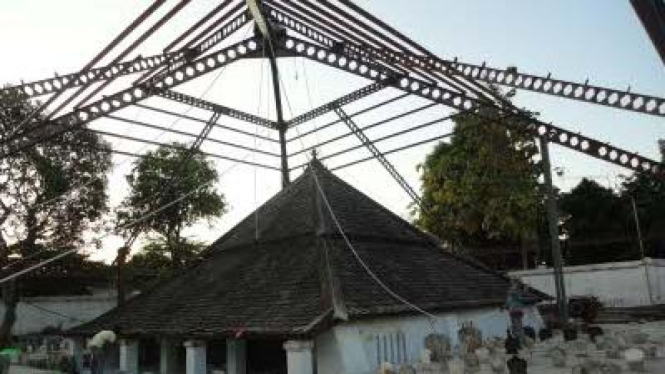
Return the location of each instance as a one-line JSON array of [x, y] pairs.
[[280, 118], [255, 8], [553, 224], [639, 238]]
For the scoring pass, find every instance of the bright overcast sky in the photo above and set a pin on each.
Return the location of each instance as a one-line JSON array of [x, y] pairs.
[[599, 40]]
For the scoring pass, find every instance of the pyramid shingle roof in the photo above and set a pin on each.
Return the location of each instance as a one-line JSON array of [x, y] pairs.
[[292, 275]]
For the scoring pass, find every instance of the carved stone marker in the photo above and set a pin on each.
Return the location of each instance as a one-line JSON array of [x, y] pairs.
[[470, 338], [406, 369], [635, 359], [439, 347], [517, 365]]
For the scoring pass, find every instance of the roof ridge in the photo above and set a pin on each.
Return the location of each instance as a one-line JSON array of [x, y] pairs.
[[283, 192], [334, 285], [403, 222]]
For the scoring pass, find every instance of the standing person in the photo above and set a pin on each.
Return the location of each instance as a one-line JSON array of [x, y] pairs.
[[99, 345], [516, 301]]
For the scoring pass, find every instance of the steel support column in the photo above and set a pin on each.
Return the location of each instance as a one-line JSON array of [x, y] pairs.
[[553, 225], [282, 126], [256, 10]]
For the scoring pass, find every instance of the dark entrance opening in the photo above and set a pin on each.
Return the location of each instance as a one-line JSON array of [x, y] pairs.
[[266, 357]]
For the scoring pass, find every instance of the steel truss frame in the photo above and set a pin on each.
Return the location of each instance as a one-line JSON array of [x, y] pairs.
[[340, 35], [379, 156], [418, 87]]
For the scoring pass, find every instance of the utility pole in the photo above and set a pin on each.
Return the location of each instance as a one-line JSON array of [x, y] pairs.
[[641, 244], [553, 225]]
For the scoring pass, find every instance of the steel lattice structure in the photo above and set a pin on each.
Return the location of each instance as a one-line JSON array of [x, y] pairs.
[[338, 34]]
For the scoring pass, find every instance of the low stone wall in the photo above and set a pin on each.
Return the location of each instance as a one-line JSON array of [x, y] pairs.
[[617, 284], [35, 314]]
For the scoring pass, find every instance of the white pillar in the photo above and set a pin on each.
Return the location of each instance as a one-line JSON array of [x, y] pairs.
[[168, 357], [129, 356], [299, 356], [236, 356], [195, 362]]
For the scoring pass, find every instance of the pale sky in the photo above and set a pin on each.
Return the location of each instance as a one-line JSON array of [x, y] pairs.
[[599, 40]]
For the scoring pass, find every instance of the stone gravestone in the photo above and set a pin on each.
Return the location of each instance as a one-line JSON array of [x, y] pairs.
[[497, 364], [471, 363], [456, 366], [483, 354], [635, 359], [470, 338], [387, 368], [558, 356], [439, 347], [517, 365], [406, 369]]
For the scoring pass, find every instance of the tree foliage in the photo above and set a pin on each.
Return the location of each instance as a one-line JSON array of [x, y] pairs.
[[648, 193], [596, 222], [600, 223], [50, 194], [175, 189], [482, 187], [153, 264]]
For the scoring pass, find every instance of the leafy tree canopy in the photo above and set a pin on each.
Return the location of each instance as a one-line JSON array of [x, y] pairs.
[[600, 223], [153, 261], [482, 187], [51, 194], [175, 189], [596, 223], [648, 193]]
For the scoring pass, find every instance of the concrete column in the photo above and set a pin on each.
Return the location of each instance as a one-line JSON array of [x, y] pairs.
[[168, 357], [195, 361], [236, 356], [299, 356], [129, 356]]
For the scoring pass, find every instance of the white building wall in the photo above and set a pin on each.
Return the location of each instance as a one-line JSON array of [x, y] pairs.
[[36, 313], [617, 284], [358, 347]]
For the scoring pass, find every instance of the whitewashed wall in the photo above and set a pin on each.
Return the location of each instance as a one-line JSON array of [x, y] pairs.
[[617, 284], [358, 347], [36, 313]]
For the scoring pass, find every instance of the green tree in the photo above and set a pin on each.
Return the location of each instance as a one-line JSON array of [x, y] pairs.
[[648, 193], [50, 194], [153, 263], [175, 188], [597, 224], [481, 190]]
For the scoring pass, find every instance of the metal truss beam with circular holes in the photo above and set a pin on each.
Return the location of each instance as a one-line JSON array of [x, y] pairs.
[[207, 105], [52, 85], [346, 99], [512, 78], [122, 99], [198, 48], [584, 92], [568, 139]]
